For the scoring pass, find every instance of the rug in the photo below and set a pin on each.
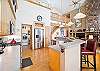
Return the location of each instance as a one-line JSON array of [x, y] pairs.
[[26, 62]]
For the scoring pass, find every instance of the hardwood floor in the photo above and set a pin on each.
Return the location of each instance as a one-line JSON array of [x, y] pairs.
[[47, 59], [43, 59], [91, 60]]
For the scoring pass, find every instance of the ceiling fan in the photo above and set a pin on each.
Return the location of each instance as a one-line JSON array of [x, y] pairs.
[[75, 3]]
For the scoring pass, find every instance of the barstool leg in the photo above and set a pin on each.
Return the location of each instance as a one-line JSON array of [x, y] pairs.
[[81, 63], [87, 61], [94, 57]]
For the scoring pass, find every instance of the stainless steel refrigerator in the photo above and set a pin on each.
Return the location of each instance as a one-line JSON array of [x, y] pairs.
[[38, 38]]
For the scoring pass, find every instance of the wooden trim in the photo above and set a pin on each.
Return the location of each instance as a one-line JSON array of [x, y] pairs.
[[30, 46], [27, 24], [9, 1], [0, 17], [37, 4], [5, 34]]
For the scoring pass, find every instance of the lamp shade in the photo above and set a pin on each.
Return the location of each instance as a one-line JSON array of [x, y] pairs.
[[79, 15], [90, 36], [70, 23], [61, 42], [61, 25]]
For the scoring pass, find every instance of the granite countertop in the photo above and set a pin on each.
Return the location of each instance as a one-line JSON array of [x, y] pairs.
[[73, 43], [67, 44], [63, 39], [10, 59]]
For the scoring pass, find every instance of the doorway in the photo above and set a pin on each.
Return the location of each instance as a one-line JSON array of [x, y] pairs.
[[26, 35], [38, 38]]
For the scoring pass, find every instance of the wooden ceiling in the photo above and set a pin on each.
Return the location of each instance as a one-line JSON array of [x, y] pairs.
[[92, 6]]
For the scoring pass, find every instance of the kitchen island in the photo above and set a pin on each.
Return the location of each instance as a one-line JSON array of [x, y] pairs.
[[10, 59], [70, 58]]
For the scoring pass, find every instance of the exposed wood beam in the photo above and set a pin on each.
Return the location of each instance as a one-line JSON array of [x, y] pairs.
[[37, 4], [9, 1]]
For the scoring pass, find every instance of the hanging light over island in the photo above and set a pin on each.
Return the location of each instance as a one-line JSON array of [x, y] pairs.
[[70, 23], [79, 15]]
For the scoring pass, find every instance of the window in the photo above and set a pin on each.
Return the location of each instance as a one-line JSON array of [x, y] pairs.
[[15, 8], [13, 1], [10, 27]]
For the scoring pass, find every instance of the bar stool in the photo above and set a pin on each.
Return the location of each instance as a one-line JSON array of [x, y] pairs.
[[90, 49], [83, 56]]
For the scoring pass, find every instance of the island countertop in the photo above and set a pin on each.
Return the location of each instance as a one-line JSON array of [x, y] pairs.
[[72, 44], [10, 59], [70, 59], [66, 45]]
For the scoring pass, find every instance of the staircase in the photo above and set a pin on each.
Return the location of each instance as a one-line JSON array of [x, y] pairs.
[[54, 28], [54, 31]]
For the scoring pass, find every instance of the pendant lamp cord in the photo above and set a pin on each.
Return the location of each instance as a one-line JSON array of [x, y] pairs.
[[79, 7]]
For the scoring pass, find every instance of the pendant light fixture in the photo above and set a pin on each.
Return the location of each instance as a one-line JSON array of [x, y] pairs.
[[70, 23], [79, 15], [61, 26]]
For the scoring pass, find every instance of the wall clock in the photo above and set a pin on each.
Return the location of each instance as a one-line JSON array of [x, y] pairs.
[[39, 18]]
